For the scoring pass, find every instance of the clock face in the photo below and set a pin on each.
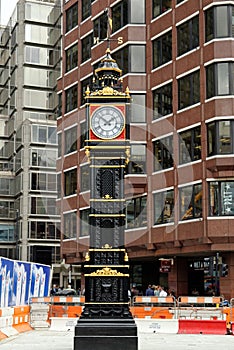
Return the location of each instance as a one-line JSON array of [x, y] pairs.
[[107, 122]]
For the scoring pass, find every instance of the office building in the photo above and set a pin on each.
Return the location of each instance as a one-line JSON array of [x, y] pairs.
[[177, 60], [29, 68]]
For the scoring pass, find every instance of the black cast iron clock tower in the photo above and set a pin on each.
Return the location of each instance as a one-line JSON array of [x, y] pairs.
[[106, 321]]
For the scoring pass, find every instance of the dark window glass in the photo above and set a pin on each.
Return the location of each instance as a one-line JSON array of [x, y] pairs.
[[59, 107], [162, 101], [220, 137], [188, 35], [136, 212], [84, 222], [163, 153], [84, 84], [137, 164], [86, 8], [189, 90], [221, 198], [100, 27], [119, 15], [70, 226], [71, 98], [219, 22], [164, 207], [71, 58], [131, 59], [162, 50], [72, 17], [190, 145], [70, 140], [160, 6], [59, 185], [70, 182], [59, 144], [86, 43], [83, 134], [84, 178], [191, 202], [219, 79]]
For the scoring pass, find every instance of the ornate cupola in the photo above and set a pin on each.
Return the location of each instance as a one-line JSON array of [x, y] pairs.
[[107, 74]]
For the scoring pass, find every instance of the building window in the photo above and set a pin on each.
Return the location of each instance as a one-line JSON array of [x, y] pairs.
[[190, 145], [84, 222], [190, 202], [137, 164], [59, 107], [189, 90], [44, 134], [86, 8], [84, 84], [43, 158], [70, 227], [100, 27], [163, 153], [7, 209], [84, 178], [131, 59], [83, 134], [44, 230], [162, 101], [7, 234], [59, 185], [160, 6], [219, 79], [220, 137], [43, 206], [70, 182], [163, 207], [59, 145], [221, 198], [71, 57], [119, 15], [136, 212], [71, 98], [71, 17], [219, 22], [86, 44], [70, 140], [43, 182], [162, 50], [188, 35], [138, 109]]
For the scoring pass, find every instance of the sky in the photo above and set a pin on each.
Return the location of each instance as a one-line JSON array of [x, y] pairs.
[[7, 7]]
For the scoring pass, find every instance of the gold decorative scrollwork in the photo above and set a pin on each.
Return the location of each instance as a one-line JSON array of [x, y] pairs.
[[107, 271]]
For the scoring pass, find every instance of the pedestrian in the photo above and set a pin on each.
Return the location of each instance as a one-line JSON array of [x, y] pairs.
[[162, 292], [149, 291]]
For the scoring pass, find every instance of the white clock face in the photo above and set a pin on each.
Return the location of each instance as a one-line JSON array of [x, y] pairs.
[[107, 122]]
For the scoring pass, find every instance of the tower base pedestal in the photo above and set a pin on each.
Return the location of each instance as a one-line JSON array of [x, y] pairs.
[[105, 334]]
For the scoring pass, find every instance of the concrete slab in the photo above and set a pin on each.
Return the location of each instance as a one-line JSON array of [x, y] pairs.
[[54, 340]]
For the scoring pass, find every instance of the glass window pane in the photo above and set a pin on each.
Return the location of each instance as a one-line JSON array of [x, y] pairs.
[[138, 109], [225, 137], [137, 60], [222, 21], [137, 11], [223, 79]]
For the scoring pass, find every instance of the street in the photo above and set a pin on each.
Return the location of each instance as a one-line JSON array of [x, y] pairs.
[[55, 340]]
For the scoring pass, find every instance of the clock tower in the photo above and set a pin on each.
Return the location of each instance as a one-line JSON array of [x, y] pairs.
[[106, 321]]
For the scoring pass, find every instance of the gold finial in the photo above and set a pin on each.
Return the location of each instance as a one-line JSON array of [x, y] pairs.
[[128, 154], [87, 153], [108, 50], [87, 257], [106, 246], [126, 256], [127, 92], [107, 196], [87, 92]]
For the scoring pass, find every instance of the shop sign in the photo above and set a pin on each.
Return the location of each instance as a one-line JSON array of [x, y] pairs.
[[165, 266]]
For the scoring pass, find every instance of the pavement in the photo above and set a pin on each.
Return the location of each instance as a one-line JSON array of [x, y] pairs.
[[63, 340]]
